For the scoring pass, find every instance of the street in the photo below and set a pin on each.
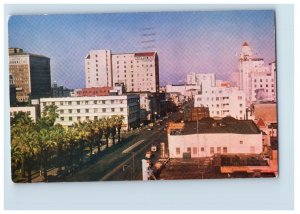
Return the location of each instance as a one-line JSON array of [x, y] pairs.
[[115, 165]]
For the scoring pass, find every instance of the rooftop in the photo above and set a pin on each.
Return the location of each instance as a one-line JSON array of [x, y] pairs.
[[225, 125]]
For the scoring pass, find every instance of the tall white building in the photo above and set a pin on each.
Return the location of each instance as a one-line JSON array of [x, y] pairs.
[[80, 109], [98, 70], [137, 71], [253, 69], [222, 102]]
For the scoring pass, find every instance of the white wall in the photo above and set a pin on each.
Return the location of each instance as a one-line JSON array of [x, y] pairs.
[[251, 144], [31, 110]]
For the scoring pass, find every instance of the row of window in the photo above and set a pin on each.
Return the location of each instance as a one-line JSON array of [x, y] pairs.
[[95, 110], [261, 80], [194, 150], [86, 102]]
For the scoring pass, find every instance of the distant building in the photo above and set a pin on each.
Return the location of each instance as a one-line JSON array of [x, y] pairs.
[[223, 102], [92, 92], [137, 71], [257, 80], [205, 80], [31, 74], [12, 92], [60, 91], [188, 92], [209, 137], [265, 111], [80, 109], [32, 111]]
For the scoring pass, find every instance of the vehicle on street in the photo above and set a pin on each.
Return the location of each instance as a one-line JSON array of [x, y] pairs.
[[153, 148], [149, 155]]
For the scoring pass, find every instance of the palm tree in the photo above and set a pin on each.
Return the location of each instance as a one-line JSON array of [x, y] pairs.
[[58, 135], [21, 147], [46, 147], [83, 131], [100, 127], [24, 148], [119, 122], [71, 139], [107, 129]]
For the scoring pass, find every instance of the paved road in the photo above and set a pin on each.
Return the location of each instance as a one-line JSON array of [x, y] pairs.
[[110, 165]]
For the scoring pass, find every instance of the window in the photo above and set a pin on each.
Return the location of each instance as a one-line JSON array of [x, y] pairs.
[[212, 150], [95, 101], [61, 111], [112, 101], [194, 150], [95, 117], [225, 150], [86, 111], [121, 109], [70, 110], [177, 151], [78, 102], [61, 103], [86, 102], [241, 105], [103, 101], [240, 97], [189, 150], [87, 117], [69, 103], [78, 110], [241, 142], [62, 119], [112, 110], [217, 98], [218, 150], [104, 110], [70, 118], [78, 118], [95, 110]]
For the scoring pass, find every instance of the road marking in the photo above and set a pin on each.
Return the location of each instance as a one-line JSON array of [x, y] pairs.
[[128, 150]]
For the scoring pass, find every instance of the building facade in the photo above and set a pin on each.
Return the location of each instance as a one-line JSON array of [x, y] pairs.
[[223, 102], [32, 111], [137, 71], [31, 74], [203, 79], [60, 91], [257, 80], [236, 137], [80, 109]]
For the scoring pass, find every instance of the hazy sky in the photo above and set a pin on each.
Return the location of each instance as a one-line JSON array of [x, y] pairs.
[[201, 42]]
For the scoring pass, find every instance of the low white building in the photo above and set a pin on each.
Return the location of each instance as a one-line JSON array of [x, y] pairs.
[[234, 137], [223, 101], [32, 111], [79, 109], [188, 91]]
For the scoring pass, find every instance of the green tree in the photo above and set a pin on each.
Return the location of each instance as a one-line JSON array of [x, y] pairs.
[[107, 123], [119, 122]]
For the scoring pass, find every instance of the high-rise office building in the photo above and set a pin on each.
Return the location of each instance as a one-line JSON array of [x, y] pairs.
[[31, 74]]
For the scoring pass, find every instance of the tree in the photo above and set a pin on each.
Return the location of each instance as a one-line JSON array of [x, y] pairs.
[[46, 148], [119, 122], [24, 148], [99, 124], [71, 140], [107, 122], [58, 135]]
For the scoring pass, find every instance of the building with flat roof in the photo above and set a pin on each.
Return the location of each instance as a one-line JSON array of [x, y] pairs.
[[80, 109], [137, 71], [208, 137], [31, 74], [32, 111], [223, 102]]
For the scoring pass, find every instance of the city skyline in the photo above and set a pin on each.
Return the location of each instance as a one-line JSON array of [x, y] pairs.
[[214, 37]]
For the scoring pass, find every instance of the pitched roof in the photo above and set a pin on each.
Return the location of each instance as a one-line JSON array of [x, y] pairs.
[[245, 44], [261, 123]]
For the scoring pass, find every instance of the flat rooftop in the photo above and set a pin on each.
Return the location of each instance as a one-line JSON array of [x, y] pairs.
[[225, 125]]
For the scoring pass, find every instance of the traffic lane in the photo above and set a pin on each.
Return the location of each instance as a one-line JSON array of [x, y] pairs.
[[125, 170], [97, 170]]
